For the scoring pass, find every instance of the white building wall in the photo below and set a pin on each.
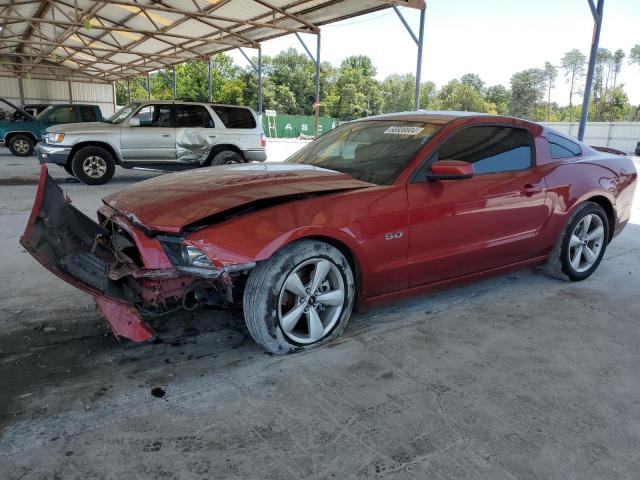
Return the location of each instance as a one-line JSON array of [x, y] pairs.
[[58, 91], [620, 135]]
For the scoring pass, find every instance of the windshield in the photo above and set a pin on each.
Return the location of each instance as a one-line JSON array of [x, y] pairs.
[[373, 151], [44, 113], [122, 114]]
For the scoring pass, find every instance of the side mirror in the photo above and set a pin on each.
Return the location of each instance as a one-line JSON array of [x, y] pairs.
[[450, 170], [134, 122]]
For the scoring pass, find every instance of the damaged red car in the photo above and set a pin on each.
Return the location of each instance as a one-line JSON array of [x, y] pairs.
[[375, 209]]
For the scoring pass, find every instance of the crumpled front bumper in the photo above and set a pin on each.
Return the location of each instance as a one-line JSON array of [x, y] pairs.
[[73, 247]]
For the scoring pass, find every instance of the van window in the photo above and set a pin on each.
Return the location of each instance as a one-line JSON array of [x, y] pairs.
[[560, 147], [89, 114], [491, 149], [60, 114], [193, 116], [235, 117], [154, 116]]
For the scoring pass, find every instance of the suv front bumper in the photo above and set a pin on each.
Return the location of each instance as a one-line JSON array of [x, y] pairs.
[[57, 154]]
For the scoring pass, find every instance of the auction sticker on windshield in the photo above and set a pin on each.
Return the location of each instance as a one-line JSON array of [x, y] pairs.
[[398, 130]]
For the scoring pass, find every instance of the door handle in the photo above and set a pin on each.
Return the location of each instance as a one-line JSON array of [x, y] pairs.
[[166, 135], [531, 189], [212, 136]]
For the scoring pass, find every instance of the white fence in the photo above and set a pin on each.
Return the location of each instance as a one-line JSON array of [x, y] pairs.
[[58, 91], [620, 135]]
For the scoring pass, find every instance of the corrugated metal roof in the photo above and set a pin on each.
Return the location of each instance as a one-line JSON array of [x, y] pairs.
[[111, 39]]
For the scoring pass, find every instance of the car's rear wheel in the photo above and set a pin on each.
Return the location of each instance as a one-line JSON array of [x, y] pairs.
[[93, 165], [299, 298], [226, 157], [21, 145], [582, 244]]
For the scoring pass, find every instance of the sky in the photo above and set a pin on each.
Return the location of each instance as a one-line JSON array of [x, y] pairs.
[[493, 38]]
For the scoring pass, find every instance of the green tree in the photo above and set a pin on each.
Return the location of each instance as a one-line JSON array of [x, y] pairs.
[[428, 94], [463, 97], [527, 90], [573, 63], [474, 81], [499, 96], [399, 92], [356, 92], [550, 74], [634, 59]]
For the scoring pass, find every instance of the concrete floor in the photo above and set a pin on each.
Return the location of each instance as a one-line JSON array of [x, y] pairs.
[[519, 377]]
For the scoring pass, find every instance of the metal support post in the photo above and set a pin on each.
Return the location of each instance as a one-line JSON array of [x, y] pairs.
[[595, 40]]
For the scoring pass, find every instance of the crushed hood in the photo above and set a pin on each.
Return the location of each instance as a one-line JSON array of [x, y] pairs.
[[170, 202]]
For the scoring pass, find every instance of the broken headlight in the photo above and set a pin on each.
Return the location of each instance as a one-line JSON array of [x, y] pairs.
[[195, 257], [184, 255]]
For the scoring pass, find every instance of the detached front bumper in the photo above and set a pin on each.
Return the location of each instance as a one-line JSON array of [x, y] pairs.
[[124, 270], [52, 153]]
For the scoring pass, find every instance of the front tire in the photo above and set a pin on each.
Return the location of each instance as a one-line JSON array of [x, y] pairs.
[[299, 298], [93, 165], [581, 245], [67, 168], [21, 145]]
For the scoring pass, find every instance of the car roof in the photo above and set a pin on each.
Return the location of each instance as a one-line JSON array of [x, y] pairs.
[[186, 102], [429, 116]]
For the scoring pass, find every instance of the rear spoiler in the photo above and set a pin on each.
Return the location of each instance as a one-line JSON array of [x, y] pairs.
[[610, 150]]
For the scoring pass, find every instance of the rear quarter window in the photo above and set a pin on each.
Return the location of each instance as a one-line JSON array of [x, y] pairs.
[[560, 147], [235, 117]]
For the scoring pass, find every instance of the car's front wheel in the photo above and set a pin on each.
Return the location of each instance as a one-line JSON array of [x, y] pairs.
[[582, 244], [93, 165], [226, 157], [21, 145], [300, 297]]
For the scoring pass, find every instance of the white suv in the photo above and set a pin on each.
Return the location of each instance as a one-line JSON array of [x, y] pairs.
[[155, 134]]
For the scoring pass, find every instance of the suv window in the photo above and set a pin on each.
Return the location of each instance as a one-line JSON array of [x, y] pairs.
[[154, 116], [62, 115], [234, 117], [491, 149], [560, 147], [88, 114], [193, 116]]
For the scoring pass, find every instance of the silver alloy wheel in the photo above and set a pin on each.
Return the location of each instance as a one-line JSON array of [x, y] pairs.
[[314, 290], [94, 166], [21, 146], [586, 243]]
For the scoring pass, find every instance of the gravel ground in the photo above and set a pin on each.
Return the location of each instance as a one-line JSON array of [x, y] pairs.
[[518, 377]]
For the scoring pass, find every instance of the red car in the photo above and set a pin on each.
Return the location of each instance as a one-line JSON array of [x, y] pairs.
[[377, 208]]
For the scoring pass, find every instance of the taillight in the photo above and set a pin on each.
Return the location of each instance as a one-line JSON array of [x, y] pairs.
[[263, 141]]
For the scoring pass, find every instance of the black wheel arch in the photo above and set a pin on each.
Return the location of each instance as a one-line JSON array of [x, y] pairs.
[[92, 143], [223, 147], [10, 135]]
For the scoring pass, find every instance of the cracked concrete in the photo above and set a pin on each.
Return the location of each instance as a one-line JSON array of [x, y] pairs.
[[518, 377]]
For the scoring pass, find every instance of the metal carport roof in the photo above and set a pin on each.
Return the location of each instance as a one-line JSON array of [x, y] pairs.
[[113, 39]]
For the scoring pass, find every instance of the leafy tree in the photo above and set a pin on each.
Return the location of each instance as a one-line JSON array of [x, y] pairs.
[[500, 97], [463, 97], [634, 59], [527, 90], [428, 96], [357, 93], [573, 64], [399, 92], [550, 74], [473, 81]]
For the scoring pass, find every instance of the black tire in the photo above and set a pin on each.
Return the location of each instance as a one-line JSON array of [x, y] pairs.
[[104, 170], [21, 145], [559, 264], [67, 168], [226, 157], [264, 290]]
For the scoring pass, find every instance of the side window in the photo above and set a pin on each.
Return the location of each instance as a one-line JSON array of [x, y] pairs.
[[491, 149], [154, 116], [235, 117], [193, 116], [560, 147], [63, 115], [88, 114]]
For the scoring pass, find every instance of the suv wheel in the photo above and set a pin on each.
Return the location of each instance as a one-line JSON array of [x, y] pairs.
[[226, 157], [93, 165], [21, 145], [67, 168]]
